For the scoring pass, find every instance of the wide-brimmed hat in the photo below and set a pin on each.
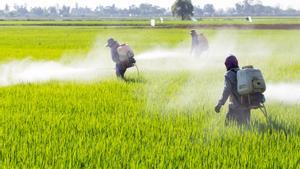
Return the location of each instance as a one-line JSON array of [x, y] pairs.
[[110, 42], [193, 32]]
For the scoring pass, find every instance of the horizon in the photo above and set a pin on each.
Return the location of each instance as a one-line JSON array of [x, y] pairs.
[[219, 4]]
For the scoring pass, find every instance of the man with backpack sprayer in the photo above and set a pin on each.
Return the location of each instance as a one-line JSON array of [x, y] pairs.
[[122, 55], [245, 88], [199, 43]]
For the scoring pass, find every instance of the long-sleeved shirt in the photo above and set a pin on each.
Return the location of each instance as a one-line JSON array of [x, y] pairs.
[[114, 54], [230, 90], [195, 41], [203, 42]]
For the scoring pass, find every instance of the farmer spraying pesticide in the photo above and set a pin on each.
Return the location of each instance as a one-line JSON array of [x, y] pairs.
[[122, 55], [199, 43], [244, 87]]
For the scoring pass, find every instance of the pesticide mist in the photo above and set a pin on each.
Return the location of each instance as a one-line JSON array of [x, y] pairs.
[[284, 92], [94, 66], [97, 65]]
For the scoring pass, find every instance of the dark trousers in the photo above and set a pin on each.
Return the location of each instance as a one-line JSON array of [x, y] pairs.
[[122, 66], [120, 70], [241, 116]]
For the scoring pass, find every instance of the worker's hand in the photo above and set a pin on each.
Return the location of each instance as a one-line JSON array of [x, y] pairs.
[[218, 108]]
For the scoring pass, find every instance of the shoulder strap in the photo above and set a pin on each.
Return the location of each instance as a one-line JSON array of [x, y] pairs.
[[235, 70]]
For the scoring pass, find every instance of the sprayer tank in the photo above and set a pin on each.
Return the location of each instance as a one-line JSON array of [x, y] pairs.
[[124, 52], [250, 81]]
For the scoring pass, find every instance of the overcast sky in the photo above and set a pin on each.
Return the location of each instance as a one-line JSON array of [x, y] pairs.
[[125, 3]]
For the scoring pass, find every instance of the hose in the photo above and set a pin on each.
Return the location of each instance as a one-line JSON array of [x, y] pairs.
[[264, 111], [137, 69]]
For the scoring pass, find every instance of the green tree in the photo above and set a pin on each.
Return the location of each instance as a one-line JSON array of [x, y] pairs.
[[209, 9], [183, 8]]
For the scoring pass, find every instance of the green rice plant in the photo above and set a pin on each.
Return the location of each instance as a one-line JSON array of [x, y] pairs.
[[162, 119]]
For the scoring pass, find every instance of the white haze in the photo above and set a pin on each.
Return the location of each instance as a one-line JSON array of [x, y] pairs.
[[284, 92], [169, 60], [72, 68], [179, 59], [221, 45], [98, 65]]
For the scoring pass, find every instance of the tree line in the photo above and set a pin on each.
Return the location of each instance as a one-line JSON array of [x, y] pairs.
[[78, 11], [244, 8]]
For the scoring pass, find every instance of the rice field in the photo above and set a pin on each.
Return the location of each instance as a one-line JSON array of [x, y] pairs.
[[163, 118]]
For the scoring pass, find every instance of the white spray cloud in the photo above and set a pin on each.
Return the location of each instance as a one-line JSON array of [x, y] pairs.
[[186, 97], [97, 65], [284, 92], [78, 68], [175, 59], [160, 54], [180, 57], [221, 45], [224, 43]]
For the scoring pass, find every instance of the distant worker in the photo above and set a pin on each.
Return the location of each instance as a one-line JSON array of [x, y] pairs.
[[122, 55], [199, 43], [237, 112], [249, 18]]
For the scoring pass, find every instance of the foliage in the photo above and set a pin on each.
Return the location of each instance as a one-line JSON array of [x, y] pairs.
[[209, 10], [183, 9]]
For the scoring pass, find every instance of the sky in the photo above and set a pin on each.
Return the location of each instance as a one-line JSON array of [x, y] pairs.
[[125, 3]]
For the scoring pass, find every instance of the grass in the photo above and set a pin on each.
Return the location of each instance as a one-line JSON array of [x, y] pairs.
[[162, 120]]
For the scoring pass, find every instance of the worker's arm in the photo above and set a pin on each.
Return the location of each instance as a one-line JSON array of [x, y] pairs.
[[226, 91], [225, 94], [195, 43], [191, 51], [115, 56]]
